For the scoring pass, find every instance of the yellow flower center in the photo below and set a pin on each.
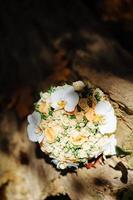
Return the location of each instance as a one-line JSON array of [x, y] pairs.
[[98, 118], [37, 130], [78, 139], [61, 104]]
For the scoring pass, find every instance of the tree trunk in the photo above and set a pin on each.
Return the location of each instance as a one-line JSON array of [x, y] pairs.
[[91, 54]]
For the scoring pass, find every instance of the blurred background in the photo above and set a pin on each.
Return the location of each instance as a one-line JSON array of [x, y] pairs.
[[42, 43]]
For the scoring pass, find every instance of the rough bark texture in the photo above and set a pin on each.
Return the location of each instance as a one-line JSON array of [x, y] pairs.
[[26, 173], [88, 53]]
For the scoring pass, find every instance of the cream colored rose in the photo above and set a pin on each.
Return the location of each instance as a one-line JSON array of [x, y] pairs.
[[90, 114], [43, 107], [78, 139], [50, 134]]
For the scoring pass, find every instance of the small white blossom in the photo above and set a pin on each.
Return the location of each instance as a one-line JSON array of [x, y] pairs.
[[110, 146], [34, 120], [108, 123], [78, 85], [64, 97]]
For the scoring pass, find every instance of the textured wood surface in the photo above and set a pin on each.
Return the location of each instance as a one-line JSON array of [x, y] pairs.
[[26, 173]]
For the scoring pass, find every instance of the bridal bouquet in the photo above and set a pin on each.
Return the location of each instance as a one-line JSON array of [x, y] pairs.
[[72, 124]]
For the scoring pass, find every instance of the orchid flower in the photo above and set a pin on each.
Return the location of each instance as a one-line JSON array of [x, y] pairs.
[[108, 120], [110, 147], [64, 97], [34, 120]]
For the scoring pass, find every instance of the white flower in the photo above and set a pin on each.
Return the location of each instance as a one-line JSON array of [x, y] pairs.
[[34, 120], [108, 118], [64, 97], [110, 146], [78, 85]]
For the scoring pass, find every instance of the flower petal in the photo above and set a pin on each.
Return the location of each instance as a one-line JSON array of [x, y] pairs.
[[72, 99], [43, 107], [68, 88], [78, 139], [33, 136], [109, 147], [109, 126], [67, 94], [90, 114], [50, 134], [56, 96], [34, 118], [103, 107], [71, 103]]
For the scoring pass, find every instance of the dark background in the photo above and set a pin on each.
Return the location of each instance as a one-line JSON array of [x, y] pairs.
[[33, 33]]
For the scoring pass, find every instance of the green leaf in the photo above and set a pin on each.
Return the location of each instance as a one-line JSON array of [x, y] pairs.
[[120, 151], [78, 127], [36, 106], [66, 149], [51, 90], [58, 139], [65, 127], [72, 117], [50, 112], [85, 120], [97, 96], [43, 116]]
